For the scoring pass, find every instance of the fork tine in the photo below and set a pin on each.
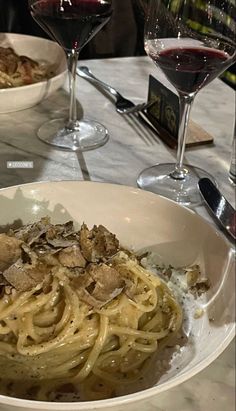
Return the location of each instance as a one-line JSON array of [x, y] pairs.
[[138, 107], [141, 132], [135, 109], [146, 131], [147, 105]]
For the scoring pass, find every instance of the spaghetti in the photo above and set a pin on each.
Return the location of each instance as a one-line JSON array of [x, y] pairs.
[[75, 327], [18, 70]]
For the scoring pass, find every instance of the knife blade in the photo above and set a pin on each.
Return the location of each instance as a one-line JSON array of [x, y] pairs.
[[221, 210]]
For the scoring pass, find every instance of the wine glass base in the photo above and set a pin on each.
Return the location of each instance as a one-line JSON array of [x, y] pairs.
[[88, 136], [157, 179]]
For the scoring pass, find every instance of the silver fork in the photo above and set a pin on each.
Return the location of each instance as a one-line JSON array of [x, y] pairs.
[[123, 106]]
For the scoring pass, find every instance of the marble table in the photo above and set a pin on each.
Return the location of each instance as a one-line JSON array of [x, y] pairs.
[[131, 148]]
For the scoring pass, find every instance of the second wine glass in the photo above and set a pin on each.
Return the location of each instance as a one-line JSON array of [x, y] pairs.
[[192, 44], [72, 23]]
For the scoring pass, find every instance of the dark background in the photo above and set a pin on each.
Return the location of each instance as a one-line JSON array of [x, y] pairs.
[[122, 36]]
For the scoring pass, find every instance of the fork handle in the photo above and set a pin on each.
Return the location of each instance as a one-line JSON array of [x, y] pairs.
[[85, 73]]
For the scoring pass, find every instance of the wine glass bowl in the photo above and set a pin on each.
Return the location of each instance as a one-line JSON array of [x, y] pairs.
[[72, 24], [192, 45]]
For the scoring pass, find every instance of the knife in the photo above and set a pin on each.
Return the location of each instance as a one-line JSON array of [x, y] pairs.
[[221, 210]]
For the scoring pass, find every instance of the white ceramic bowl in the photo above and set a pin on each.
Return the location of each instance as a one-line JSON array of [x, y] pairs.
[[140, 219], [39, 49]]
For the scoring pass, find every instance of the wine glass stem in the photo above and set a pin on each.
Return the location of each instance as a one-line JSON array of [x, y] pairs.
[[73, 123], [185, 103]]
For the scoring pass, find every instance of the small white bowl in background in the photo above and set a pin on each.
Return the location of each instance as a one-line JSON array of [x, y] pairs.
[[39, 49]]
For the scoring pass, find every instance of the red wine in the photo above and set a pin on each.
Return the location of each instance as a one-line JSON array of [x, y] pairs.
[[191, 68], [72, 23]]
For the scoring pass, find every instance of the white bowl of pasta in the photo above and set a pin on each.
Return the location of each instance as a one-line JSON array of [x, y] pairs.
[[97, 320], [31, 69]]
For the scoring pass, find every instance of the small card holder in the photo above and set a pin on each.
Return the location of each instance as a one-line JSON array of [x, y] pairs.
[[164, 115]]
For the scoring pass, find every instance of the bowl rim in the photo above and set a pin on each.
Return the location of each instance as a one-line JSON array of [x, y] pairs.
[[146, 393], [39, 83]]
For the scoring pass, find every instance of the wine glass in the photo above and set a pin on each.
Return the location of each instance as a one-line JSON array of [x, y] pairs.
[[72, 24], [192, 44]]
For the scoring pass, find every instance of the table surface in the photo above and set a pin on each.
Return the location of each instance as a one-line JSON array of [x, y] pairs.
[[131, 148]]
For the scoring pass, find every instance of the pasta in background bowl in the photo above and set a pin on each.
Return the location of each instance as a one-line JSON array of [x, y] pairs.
[[46, 78], [142, 221]]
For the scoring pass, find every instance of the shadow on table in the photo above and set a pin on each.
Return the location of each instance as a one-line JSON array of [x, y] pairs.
[[23, 157]]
